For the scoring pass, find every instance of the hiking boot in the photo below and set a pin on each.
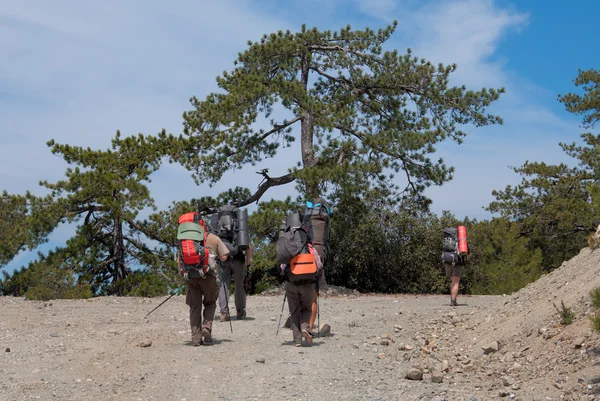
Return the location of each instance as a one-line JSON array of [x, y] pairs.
[[207, 337], [453, 302], [224, 317], [196, 343], [241, 314], [308, 337]]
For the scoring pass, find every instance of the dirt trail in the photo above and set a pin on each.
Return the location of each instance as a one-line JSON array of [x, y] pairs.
[[90, 349]]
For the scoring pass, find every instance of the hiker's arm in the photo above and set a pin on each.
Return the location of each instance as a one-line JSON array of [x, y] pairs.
[[248, 256], [223, 251]]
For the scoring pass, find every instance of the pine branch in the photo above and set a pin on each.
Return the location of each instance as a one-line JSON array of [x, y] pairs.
[[267, 183]]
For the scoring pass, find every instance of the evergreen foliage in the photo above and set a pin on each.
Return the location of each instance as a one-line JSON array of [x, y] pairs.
[[363, 113]]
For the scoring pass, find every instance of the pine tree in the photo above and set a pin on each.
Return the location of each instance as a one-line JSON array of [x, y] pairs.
[[103, 195], [557, 205], [361, 114]]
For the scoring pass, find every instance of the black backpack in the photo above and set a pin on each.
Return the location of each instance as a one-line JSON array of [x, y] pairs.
[[224, 224], [316, 220], [293, 239], [450, 253]]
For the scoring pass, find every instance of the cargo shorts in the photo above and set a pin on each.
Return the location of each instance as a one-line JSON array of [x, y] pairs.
[[453, 271]]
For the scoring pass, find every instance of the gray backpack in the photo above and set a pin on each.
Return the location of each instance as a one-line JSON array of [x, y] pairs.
[[293, 240]]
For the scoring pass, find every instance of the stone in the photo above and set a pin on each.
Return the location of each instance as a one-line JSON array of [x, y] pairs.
[[7, 350], [381, 355], [145, 343], [260, 359], [414, 374], [324, 330], [437, 377], [469, 368], [578, 343], [507, 381], [491, 347], [385, 342]]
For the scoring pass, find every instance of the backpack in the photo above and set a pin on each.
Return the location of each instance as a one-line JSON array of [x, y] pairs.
[[224, 224], [293, 240], [294, 250], [316, 220], [450, 254], [192, 255], [303, 268], [451, 239]]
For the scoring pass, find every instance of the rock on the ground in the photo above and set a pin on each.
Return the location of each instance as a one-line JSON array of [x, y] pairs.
[[414, 374], [324, 330], [491, 347], [145, 343], [437, 377]]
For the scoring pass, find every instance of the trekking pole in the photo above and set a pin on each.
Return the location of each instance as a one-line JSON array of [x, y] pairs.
[[175, 293], [226, 296], [318, 312], [281, 314]]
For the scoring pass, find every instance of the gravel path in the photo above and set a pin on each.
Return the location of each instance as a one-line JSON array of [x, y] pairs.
[[490, 347]]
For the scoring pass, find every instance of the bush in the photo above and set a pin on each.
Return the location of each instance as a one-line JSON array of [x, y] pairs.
[[139, 283], [595, 295], [566, 314], [49, 282]]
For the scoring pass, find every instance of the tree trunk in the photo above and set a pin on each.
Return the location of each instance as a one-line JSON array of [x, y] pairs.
[[307, 128], [118, 252]]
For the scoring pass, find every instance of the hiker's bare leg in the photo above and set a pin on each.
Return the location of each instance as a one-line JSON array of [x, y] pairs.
[[313, 312], [454, 287]]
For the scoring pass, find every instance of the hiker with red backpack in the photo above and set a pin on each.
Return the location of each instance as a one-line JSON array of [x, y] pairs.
[[299, 264], [454, 257], [198, 252]]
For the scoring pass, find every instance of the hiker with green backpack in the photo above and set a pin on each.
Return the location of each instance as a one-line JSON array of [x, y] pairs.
[[197, 256]]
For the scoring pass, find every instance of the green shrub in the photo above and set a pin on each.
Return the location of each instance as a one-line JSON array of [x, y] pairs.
[[566, 314], [595, 295], [596, 322]]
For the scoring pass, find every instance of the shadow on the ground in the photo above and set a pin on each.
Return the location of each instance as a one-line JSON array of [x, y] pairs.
[[315, 343], [215, 341]]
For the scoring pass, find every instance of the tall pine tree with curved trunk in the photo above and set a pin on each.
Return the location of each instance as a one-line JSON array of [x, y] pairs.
[[103, 194], [557, 206], [361, 114]]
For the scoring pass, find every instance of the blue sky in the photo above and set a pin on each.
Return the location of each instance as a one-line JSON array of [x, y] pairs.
[[78, 71]]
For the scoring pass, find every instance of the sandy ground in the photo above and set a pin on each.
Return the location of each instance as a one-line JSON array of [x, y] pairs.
[[489, 347]]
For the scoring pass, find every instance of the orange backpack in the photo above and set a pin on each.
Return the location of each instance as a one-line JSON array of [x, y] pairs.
[[303, 267]]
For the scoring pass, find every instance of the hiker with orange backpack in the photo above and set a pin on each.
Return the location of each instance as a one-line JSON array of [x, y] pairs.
[[198, 252], [300, 264]]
